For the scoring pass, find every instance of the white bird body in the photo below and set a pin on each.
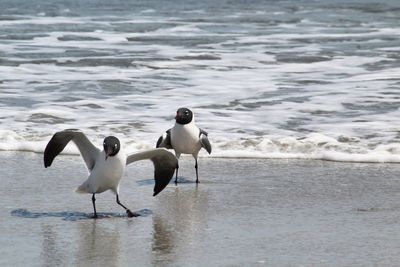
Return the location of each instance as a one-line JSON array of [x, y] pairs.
[[185, 139], [106, 174]]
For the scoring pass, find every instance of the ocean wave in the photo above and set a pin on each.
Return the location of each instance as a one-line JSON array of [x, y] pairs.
[[266, 83], [313, 147]]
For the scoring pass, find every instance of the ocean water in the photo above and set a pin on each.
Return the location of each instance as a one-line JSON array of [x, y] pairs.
[[268, 79]]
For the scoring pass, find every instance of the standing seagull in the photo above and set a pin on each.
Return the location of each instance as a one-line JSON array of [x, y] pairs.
[[106, 167], [185, 138]]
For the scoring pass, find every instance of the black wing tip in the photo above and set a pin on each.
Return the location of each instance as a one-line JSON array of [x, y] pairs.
[[161, 184], [159, 141], [46, 157], [47, 161], [209, 149], [159, 188], [165, 164], [56, 144]]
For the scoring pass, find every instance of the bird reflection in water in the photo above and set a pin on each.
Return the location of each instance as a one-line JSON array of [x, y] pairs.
[[181, 217], [97, 244], [52, 253]]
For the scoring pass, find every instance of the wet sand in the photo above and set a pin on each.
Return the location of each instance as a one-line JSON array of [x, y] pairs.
[[245, 212]]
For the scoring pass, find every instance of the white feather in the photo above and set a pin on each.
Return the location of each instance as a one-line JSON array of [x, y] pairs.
[[105, 175], [185, 138]]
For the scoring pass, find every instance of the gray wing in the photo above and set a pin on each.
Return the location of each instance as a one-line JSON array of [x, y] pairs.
[[165, 140], [205, 143], [60, 140], [164, 162]]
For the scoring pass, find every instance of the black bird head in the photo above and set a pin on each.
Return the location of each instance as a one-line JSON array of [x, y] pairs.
[[184, 116], [111, 146]]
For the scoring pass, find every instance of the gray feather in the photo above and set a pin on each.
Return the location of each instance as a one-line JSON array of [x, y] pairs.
[[164, 163], [205, 143]]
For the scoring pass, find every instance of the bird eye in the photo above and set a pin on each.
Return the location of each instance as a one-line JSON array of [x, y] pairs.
[[115, 145]]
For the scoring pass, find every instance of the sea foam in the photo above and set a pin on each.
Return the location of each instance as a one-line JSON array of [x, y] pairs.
[[313, 146], [271, 83]]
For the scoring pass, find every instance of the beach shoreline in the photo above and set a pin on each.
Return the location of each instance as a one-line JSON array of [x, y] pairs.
[[245, 212]]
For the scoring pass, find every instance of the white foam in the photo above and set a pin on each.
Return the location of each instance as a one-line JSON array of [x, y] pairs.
[[255, 94], [314, 146]]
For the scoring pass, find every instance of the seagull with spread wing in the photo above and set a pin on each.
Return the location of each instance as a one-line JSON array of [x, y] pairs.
[[106, 166]]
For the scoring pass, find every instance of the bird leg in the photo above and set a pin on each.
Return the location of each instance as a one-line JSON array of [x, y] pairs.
[[94, 206], [197, 172], [130, 213], [176, 176]]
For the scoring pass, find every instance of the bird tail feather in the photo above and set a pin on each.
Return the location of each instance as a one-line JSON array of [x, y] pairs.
[[83, 188]]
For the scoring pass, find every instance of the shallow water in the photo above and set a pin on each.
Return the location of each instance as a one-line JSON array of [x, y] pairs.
[[245, 212], [271, 79]]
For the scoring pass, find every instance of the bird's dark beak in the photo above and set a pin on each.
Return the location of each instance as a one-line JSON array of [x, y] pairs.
[[108, 152]]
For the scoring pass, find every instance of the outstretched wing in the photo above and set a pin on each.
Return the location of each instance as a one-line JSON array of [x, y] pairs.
[[60, 140], [165, 140], [164, 162], [205, 143]]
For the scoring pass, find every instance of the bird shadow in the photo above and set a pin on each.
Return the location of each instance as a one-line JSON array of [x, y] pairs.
[[75, 215], [185, 180], [181, 180]]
